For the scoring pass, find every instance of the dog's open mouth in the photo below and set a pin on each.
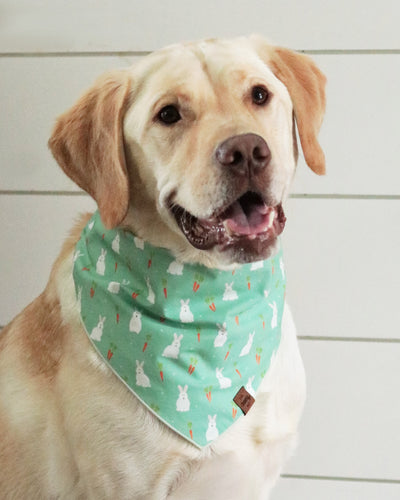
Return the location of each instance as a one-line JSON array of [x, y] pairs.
[[248, 219]]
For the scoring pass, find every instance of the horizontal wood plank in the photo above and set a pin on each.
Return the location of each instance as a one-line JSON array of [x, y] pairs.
[[343, 270], [312, 489], [359, 135], [350, 423], [34, 92], [126, 25], [33, 229]]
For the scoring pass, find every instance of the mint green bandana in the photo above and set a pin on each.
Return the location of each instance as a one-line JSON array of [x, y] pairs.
[[184, 338]]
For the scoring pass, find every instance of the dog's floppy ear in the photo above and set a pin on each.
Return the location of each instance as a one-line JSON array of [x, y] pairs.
[[306, 86], [87, 142]]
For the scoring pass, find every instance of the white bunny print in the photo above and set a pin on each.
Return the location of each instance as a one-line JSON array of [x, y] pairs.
[[175, 268], [115, 244], [246, 349], [139, 243], [135, 324], [114, 287], [172, 350], [76, 255], [151, 296], [101, 263], [212, 431], [274, 321], [224, 382], [249, 387], [257, 265], [142, 380], [229, 293], [79, 299], [97, 331], [183, 403], [282, 266], [186, 315], [222, 335]]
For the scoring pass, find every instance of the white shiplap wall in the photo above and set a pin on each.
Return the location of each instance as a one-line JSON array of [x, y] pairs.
[[342, 240]]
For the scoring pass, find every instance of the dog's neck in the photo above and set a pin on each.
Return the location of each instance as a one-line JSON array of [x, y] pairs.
[[183, 337]]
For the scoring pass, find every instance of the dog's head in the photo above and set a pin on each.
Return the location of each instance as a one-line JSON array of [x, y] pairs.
[[194, 148]]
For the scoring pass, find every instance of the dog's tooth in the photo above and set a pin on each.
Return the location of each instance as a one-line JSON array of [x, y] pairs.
[[271, 217]]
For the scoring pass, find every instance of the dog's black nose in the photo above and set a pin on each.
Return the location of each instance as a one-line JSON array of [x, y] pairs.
[[246, 154]]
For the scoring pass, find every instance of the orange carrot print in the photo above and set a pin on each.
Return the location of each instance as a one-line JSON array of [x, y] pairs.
[[248, 282], [208, 390], [160, 368], [135, 295], [236, 370], [148, 337], [192, 366], [258, 354], [164, 284], [198, 334], [198, 279], [190, 429], [116, 267], [263, 321], [237, 320], [111, 350], [228, 351], [210, 303], [234, 410]]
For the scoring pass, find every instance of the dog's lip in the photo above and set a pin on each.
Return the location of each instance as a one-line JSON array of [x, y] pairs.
[[247, 218]]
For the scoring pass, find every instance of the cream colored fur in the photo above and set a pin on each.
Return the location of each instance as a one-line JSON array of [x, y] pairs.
[[69, 429]]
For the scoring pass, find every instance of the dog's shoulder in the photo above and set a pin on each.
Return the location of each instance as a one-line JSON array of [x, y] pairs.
[[34, 339]]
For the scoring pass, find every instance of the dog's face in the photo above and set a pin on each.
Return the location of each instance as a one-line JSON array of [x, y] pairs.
[[194, 148]]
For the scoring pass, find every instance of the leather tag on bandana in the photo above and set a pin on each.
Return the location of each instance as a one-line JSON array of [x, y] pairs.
[[244, 400]]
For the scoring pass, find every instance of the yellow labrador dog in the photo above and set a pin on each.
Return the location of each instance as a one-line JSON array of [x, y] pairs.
[[193, 150]]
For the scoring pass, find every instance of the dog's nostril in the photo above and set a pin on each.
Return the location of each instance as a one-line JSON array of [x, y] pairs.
[[258, 154], [237, 158]]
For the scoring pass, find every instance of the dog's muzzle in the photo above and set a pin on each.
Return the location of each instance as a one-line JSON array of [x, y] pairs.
[[248, 220]]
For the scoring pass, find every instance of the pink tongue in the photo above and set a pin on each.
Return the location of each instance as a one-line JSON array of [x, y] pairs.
[[257, 219]]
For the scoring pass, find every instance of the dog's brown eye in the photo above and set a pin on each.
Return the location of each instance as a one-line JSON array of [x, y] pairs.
[[259, 95], [169, 115]]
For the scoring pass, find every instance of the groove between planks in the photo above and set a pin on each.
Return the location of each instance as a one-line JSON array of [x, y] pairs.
[[333, 196], [341, 478], [141, 53]]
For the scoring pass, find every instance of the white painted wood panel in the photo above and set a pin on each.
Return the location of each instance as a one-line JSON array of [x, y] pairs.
[[360, 131], [352, 414], [32, 230], [105, 25], [33, 92], [343, 268], [359, 134], [307, 489]]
